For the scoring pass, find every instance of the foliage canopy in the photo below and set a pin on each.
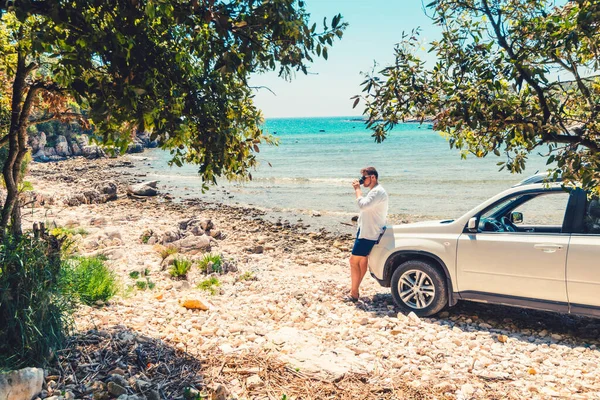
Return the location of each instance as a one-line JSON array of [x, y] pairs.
[[176, 68], [512, 77]]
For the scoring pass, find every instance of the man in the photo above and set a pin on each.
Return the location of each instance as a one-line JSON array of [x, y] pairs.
[[371, 224]]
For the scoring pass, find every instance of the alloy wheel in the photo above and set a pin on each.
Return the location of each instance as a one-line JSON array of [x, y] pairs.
[[416, 289]]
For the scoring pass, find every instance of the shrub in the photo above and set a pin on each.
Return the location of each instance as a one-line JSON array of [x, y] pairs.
[[90, 279], [35, 309], [146, 235], [210, 285], [67, 237], [167, 251], [141, 284], [145, 284], [246, 276], [180, 268], [211, 263], [134, 274]]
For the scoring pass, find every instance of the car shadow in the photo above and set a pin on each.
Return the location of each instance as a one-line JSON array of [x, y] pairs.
[[522, 324]]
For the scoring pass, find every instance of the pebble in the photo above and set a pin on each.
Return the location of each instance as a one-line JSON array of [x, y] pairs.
[[298, 285]]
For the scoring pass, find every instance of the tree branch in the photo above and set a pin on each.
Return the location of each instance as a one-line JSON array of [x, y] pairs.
[[524, 73], [57, 116]]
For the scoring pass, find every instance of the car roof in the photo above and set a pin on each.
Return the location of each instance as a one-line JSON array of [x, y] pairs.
[[542, 177]]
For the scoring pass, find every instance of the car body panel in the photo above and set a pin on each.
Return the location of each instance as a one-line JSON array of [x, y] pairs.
[[583, 270], [515, 264], [440, 244]]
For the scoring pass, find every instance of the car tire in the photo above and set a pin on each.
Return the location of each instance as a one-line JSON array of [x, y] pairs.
[[426, 297]]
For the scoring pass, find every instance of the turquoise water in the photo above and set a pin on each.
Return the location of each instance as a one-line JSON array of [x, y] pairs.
[[317, 158]]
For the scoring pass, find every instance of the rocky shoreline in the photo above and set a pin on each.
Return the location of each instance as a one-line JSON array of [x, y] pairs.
[[63, 147], [284, 299]]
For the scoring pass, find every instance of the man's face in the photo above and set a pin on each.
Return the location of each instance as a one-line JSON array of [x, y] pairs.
[[367, 180]]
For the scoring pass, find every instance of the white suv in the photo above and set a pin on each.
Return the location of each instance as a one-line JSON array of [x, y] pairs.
[[536, 245]]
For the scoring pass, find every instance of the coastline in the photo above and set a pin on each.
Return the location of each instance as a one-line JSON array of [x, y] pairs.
[[291, 309]]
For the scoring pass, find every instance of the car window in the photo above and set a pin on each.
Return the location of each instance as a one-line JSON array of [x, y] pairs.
[[542, 211], [592, 217], [545, 210], [489, 219]]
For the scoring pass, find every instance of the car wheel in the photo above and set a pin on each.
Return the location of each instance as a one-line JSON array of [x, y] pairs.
[[419, 287]]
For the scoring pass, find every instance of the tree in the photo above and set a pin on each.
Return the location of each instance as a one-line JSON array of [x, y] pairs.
[[512, 77], [177, 68]]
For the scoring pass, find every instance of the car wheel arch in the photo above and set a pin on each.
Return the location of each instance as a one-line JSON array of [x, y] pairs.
[[399, 257]]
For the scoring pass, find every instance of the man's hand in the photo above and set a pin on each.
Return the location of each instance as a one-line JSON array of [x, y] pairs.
[[356, 186]]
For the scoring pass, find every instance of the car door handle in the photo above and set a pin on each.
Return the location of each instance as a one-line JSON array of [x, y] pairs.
[[548, 247]]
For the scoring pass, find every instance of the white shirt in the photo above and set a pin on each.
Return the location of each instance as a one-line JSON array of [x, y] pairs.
[[373, 213]]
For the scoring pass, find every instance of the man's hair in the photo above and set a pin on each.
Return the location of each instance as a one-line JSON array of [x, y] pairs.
[[370, 171]]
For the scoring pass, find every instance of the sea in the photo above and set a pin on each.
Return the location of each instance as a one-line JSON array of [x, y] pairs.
[[308, 175]]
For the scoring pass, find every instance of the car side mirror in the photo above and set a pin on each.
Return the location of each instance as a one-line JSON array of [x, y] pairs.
[[472, 224], [516, 217]]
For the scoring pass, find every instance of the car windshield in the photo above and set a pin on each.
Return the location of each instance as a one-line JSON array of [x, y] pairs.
[[502, 205]]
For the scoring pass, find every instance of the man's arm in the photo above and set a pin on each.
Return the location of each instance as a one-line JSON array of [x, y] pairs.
[[368, 201]]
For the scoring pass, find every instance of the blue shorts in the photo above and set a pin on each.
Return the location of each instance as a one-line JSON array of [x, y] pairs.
[[362, 247]]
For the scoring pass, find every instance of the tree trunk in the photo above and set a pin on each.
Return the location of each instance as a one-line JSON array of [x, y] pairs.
[[12, 190]]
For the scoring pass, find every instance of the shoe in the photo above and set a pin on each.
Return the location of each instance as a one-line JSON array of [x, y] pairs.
[[349, 299]]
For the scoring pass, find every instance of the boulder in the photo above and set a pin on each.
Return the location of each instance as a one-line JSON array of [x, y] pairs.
[[105, 191], [49, 151], [37, 142], [24, 383], [92, 196], [193, 243], [170, 236], [75, 149], [108, 189], [135, 147], [143, 189], [40, 156], [76, 200], [92, 152], [62, 146]]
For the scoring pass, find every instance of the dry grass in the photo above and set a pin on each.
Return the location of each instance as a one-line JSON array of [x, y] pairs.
[[279, 380]]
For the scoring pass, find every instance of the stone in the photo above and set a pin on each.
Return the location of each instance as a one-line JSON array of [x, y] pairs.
[[467, 389], [192, 243], [253, 381], [21, 384], [220, 393], [414, 318], [444, 387], [115, 389], [143, 189], [108, 190], [194, 304], [62, 146]]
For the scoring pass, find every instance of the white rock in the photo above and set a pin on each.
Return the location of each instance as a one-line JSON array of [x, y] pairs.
[[24, 383]]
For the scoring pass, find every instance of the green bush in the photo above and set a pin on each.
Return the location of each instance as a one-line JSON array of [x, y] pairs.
[[246, 276], [67, 236], [35, 308], [90, 279], [167, 251], [141, 284], [210, 285], [180, 268], [211, 263]]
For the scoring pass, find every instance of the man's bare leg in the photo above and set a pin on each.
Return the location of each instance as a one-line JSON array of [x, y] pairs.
[[358, 269]]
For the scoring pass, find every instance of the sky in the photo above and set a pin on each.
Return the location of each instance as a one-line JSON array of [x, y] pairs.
[[375, 26]]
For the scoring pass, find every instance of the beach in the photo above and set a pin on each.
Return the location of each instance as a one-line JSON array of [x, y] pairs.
[[282, 303]]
